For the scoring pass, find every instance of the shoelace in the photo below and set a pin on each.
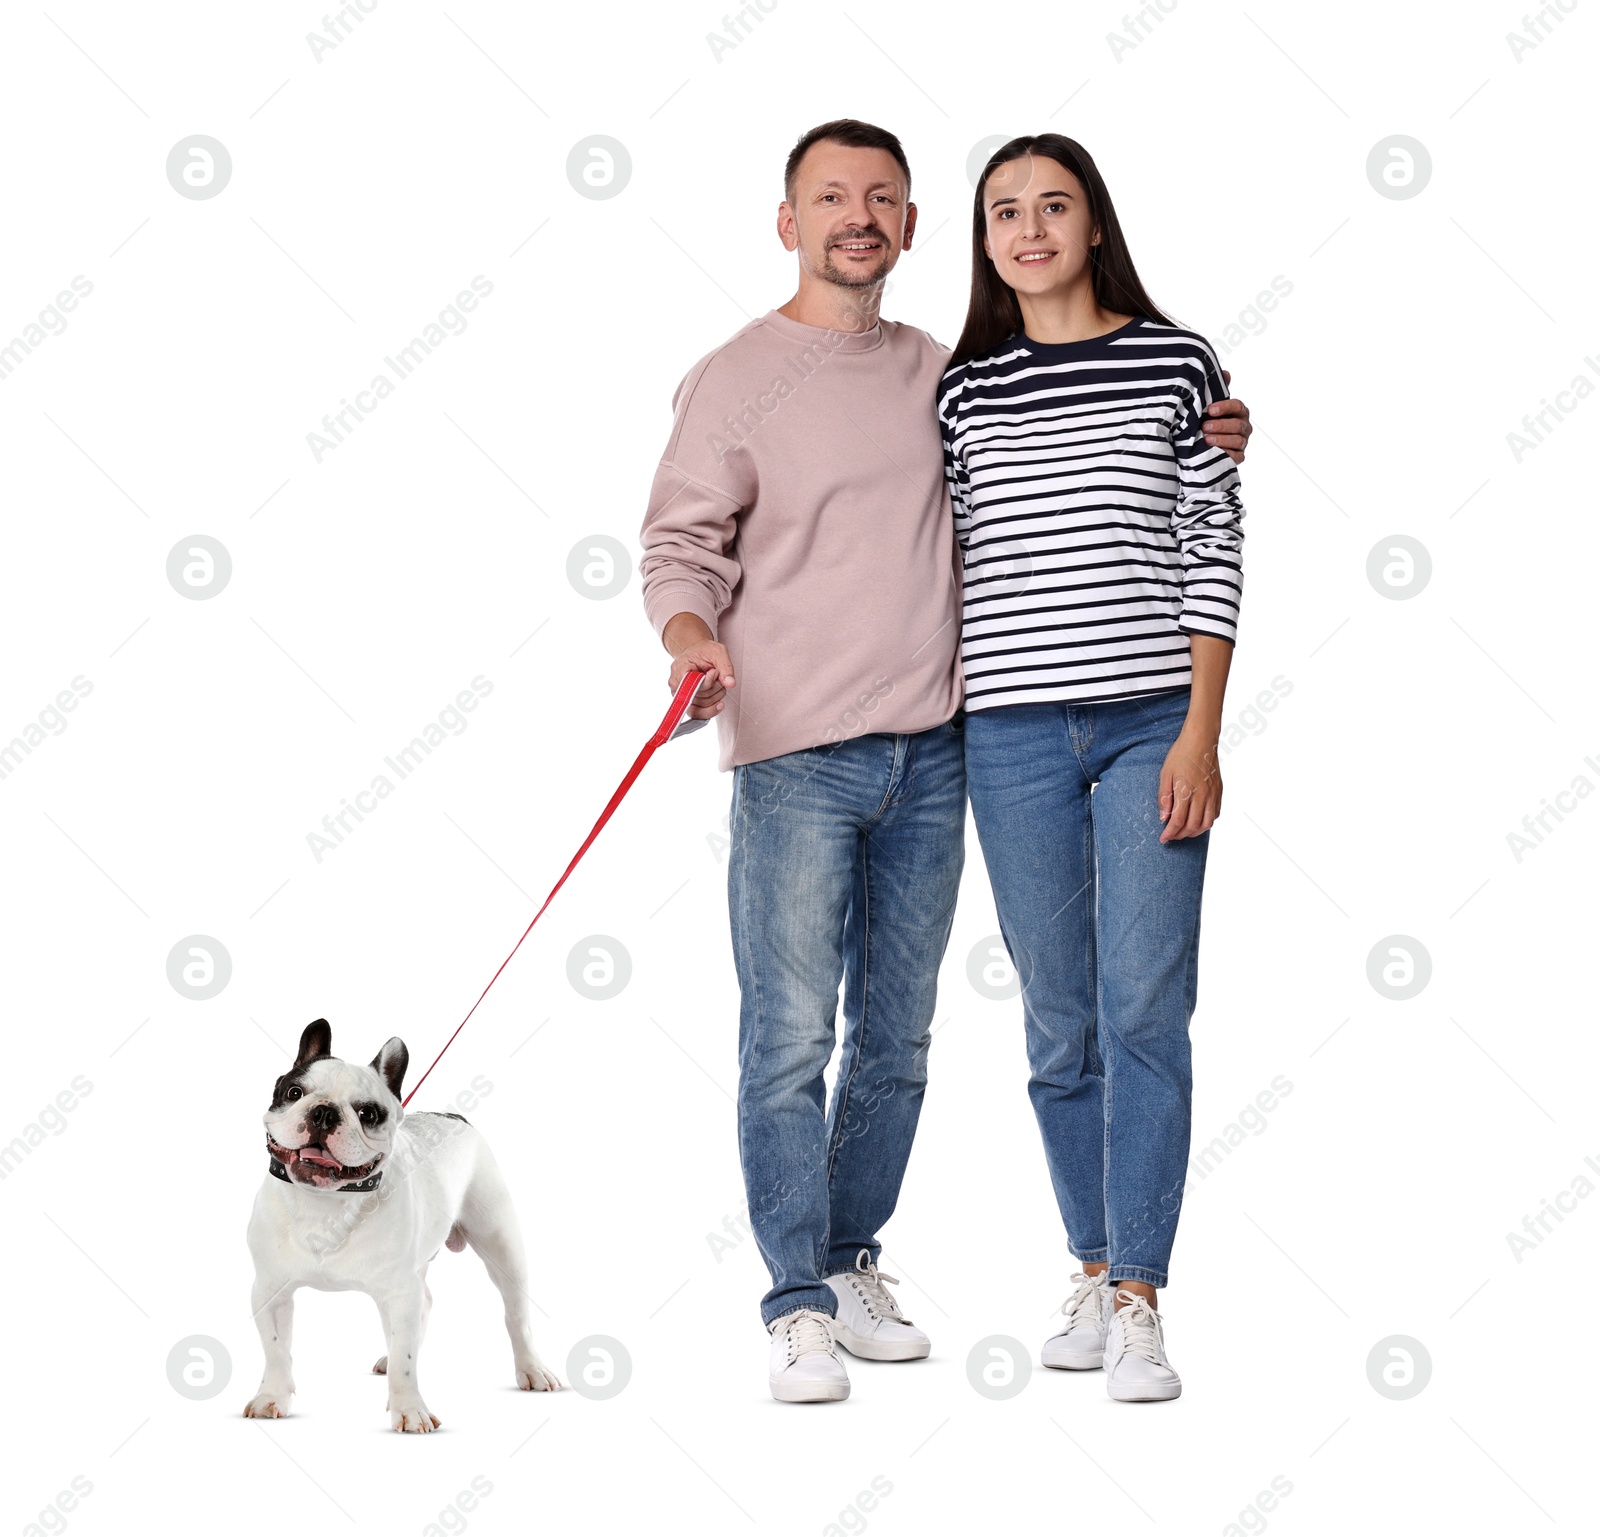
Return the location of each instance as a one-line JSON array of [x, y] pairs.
[[1086, 1299], [869, 1283], [808, 1332], [1141, 1328]]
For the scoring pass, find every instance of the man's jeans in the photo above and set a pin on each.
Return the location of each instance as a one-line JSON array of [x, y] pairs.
[[845, 862], [1102, 921]]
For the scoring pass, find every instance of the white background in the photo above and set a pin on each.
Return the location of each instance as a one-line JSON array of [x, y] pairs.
[[432, 546]]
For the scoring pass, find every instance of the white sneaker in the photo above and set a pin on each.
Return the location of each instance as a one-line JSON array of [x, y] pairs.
[[1137, 1369], [805, 1368], [1080, 1345], [869, 1322]]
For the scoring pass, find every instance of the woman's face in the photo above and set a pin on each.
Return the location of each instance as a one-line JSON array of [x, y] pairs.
[[1037, 228]]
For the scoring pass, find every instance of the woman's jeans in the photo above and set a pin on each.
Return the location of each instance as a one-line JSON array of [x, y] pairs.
[[845, 863], [1102, 921]]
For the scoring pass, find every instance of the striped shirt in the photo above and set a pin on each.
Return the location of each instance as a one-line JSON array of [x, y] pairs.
[[1098, 530]]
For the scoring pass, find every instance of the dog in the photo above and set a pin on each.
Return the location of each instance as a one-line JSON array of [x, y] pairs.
[[359, 1196]]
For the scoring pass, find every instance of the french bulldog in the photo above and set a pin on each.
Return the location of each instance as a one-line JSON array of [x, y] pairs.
[[359, 1196]]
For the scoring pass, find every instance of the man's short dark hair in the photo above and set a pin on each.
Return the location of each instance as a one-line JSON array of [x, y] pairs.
[[853, 134]]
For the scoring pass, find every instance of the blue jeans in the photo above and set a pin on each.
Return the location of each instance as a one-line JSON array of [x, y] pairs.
[[1102, 922], [845, 863]]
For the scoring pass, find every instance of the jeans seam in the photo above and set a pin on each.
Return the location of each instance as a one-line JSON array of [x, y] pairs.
[[744, 901], [888, 789], [908, 785], [743, 929], [1103, 1041], [861, 1035], [1085, 718]]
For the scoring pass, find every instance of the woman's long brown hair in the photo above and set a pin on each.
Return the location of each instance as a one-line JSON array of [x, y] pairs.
[[993, 314]]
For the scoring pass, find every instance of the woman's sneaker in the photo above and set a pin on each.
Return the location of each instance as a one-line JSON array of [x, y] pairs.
[[1137, 1369], [869, 1322], [1080, 1344], [805, 1368]]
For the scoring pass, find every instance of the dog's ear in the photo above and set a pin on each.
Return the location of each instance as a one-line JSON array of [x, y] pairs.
[[316, 1040], [390, 1063]]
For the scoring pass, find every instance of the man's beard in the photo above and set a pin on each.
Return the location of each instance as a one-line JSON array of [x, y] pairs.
[[829, 273]]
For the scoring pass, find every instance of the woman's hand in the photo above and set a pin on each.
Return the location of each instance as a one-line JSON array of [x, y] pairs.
[[1190, 799]]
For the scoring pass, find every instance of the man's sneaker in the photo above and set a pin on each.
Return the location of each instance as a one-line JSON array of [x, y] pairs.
[[1080, 1344], [1137, 1369], [805, 1368], [869, 1322]]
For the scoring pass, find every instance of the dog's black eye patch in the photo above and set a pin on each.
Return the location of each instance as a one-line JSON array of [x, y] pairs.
[[371, 1113], [281, 1095]]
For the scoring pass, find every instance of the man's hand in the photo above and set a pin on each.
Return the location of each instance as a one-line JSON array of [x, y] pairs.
[[694, 650], [1227, 425], [1190, 798]]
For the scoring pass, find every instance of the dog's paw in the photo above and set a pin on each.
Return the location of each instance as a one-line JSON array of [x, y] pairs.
[[413, 1417], [380, 1367], [267, 1406], [536, 1377]]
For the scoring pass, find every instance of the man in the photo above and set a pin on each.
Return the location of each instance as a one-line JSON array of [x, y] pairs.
[[799, 547]]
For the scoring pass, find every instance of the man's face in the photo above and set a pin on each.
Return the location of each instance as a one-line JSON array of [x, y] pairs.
[[850, 217]]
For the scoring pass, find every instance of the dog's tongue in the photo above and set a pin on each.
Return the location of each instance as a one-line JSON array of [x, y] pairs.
[[318, 1156]]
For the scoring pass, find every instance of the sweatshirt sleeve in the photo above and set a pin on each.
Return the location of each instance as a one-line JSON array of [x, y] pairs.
[[690, 527], [1206, 520]]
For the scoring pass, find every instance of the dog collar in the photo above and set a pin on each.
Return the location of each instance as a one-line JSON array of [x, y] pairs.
[[276, 1169]]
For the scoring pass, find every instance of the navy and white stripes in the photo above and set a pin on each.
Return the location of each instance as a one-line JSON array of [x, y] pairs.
[[1098, 529]]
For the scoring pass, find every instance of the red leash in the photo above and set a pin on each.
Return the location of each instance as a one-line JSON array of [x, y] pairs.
[[680, 703]]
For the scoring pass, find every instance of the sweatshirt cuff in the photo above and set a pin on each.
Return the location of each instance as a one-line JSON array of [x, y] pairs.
[[679, 598]]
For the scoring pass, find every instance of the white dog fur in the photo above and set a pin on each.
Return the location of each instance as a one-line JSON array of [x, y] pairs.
[[333, 1124]]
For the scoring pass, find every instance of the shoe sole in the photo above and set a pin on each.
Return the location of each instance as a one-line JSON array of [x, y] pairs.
[[877, 1350], [1093, 1363], [809, 1392], [1146, 1393]]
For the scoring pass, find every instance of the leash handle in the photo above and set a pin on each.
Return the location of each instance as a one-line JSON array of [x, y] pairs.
[[680, 702]]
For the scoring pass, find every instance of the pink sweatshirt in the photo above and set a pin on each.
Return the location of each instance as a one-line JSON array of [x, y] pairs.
[[800, 509]]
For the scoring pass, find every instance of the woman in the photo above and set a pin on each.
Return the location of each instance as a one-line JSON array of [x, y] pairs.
[[1101, 544]]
